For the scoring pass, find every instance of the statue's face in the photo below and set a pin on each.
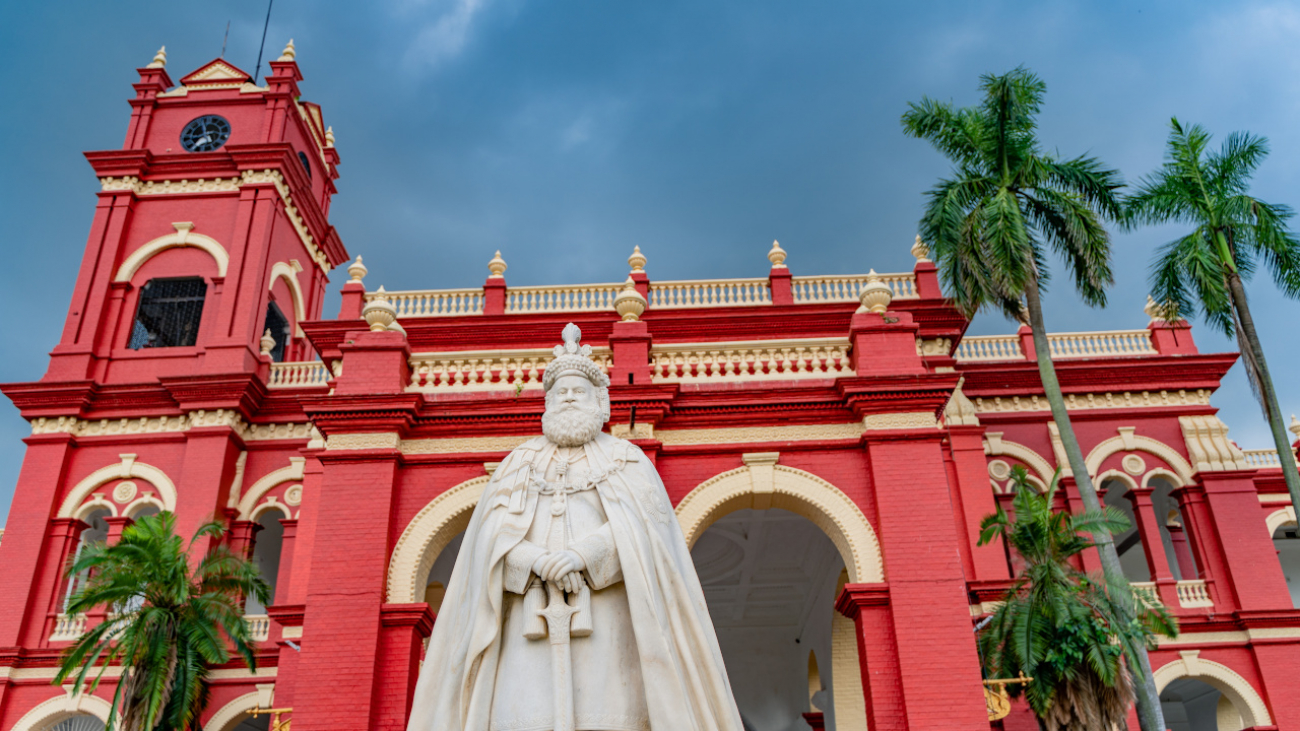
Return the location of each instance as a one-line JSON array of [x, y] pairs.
[[572, 392]]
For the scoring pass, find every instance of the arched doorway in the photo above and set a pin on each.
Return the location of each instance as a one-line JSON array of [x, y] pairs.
[[770, 578], [1192, 705]]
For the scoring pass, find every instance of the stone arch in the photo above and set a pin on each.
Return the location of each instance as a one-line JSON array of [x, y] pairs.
[[995, 445], [183, 236], [1223, 679], [128, 467], [1128, 441], [248, 501], [140, 504], [1279, 518], [426, 535], [762, 484], [1170, 475], [229, 713], [271, 504], [95, 503], [1118, 475], [289, 273], [62, 707]]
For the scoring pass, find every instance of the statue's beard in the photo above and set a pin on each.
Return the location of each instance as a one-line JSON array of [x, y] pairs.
[[573, 426]]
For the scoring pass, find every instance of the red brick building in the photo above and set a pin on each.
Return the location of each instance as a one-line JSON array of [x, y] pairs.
[[830, 464]]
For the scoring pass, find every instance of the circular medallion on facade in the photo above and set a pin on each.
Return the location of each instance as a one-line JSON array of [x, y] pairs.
[[293, 495], [1134, 465], [205, 134], [999, 470], [124, 492]]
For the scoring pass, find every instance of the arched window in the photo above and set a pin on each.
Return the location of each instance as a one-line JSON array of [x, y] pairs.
[[440, 574], [168, 313], [278, 325], [1132, 556], [1286, 539], [79, 723], [266, 555], [96, 531]]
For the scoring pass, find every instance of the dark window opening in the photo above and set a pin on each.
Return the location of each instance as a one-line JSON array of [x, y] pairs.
[[169, 313], [278, 324], [302, 158]]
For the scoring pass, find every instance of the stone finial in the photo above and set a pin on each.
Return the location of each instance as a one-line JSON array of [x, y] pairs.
[[267, 342], [875, 295], [289, 54], [357, 271], [329, 136], [379, 312], [776, 255], [630, 303], [1159, 313], [921, 251], [1295, 426], [159, 59], [637, 260], [497, 266], [960, 410]]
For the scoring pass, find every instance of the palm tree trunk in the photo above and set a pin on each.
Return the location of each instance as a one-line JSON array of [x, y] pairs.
[[1268, 394], [1150, 717]]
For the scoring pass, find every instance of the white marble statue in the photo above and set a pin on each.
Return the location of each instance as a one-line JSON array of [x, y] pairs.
[[574, 605]]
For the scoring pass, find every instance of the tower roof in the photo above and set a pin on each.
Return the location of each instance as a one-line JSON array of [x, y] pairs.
[[216, 71]]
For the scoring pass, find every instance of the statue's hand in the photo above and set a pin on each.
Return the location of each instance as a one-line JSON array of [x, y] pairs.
[[559, 565]]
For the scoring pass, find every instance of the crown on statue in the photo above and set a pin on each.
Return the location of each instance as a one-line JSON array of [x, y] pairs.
[[572, 359]]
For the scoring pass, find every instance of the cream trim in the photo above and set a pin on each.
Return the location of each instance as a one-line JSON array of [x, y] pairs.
[[169, 424], [1244, 698], [127, 468], [243, 674], [1270, 499], [1208, 444], [1128, 441], [1279, 518], [900, 420], [248, 503], [1162, 472], [758, 434], [229, 713], [789, 489], [426, 535], [996, 446], [1104, 400], [1129, 482], [183, 236], [363, 440], [461, 444], [62, 707]]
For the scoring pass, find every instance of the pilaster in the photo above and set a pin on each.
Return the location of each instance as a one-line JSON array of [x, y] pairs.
[[405, 626], [868, 606], [974, 499], [1234, 507]]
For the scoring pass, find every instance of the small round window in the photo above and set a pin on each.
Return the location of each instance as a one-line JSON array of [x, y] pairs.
[[205, 134], [302, 158]]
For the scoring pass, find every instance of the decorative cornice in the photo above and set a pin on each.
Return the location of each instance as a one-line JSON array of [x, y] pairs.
[[169, 424], [1082, 401], [224, 185], [365, 440], [758, 434], [900, 420], [462, 444]]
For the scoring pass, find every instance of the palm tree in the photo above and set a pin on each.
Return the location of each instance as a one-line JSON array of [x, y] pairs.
[[1057, 625], [1205, 269], [170, 620], [989, 228]]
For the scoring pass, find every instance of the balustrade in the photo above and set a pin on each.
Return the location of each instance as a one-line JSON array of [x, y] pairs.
[[1263, 459], [68, 627], [810, 290], [750, 361], [300, 374], [1111, 344], [435, 302], [978, 348], [259, 627], [493, 370], [1192, 593], [570, 298], [710, 293]]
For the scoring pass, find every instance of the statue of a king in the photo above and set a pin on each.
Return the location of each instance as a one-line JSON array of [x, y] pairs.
[[574, 605]]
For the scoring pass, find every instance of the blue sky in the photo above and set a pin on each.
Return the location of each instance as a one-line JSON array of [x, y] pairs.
[[566, 132]]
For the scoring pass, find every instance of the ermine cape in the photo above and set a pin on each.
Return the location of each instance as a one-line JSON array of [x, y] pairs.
[[686, 686]]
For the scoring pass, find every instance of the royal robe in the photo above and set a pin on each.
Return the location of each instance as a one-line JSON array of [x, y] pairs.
[[651, 626]]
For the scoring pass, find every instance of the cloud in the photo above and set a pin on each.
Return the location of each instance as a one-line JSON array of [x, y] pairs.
[[446, 35]]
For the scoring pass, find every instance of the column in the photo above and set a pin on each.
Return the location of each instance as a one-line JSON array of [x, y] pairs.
[[938, 664], [1234, 509], [974, 499], [1154, 547], [886, 708], [117, 524], [64, 540], [405, 627], [35, 501], [1182, 551], [1205, 545]]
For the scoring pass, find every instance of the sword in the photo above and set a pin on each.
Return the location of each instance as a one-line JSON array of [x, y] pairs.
[[558, 614]]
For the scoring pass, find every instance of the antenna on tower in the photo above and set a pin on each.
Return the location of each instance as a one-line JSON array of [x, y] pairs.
[[225, 38], [262, 47]]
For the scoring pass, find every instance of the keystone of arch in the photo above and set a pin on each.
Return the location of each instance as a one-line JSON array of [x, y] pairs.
[[127, 468], [248, 502], [1128, 441]]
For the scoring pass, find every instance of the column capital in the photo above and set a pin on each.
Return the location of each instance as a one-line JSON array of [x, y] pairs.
[[854, 598], [418, 615]]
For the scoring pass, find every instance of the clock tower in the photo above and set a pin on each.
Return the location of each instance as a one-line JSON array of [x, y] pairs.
[[211, 229]]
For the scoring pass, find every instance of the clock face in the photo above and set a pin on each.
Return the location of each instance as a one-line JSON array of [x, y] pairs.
[[205, 134]]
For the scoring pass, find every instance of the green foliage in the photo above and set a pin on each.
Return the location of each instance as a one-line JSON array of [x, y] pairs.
[[990, 224], [1232, 231], [1058, 625], [170, 620]]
